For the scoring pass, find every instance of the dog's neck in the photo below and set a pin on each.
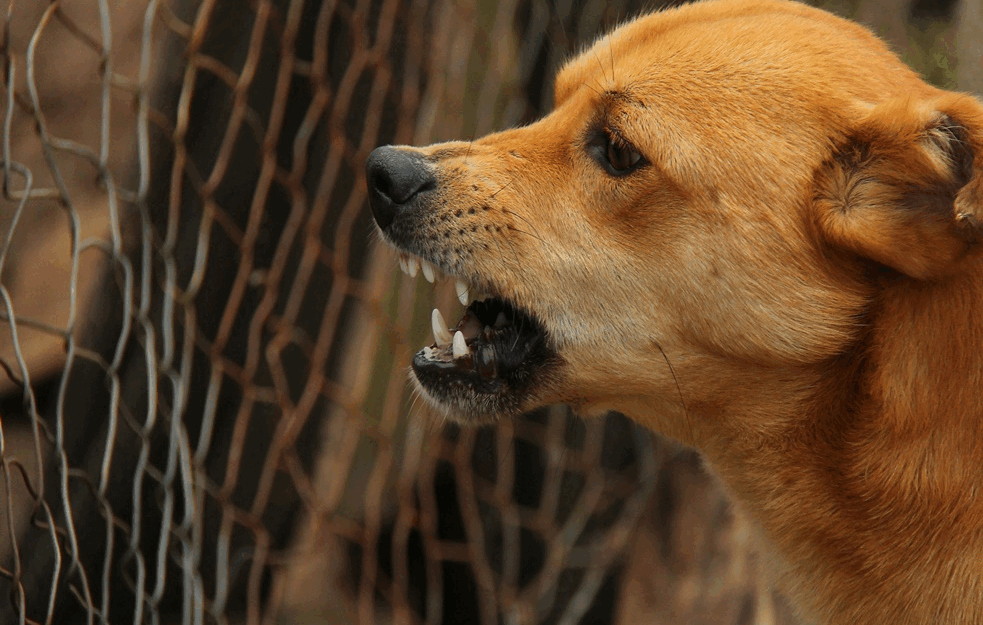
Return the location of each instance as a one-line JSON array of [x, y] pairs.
[[869, 457], [908, 395]]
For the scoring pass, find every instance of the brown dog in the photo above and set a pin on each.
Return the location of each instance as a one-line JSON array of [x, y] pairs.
[[750, 227]]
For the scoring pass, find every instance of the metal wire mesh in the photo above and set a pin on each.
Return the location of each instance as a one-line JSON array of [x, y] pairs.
[[203, 416]]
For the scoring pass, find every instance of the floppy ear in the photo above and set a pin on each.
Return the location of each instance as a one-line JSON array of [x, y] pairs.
[[906, 187]]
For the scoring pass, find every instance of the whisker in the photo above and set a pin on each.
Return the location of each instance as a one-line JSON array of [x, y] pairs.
[[431, 419], [515, 214], [415, 398], [515, 253], [599, 63], [611, 54], [529, 234], [597, 91], [675, 380], [504, 186]]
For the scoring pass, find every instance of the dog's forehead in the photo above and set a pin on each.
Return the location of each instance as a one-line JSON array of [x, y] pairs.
[[772, 45]]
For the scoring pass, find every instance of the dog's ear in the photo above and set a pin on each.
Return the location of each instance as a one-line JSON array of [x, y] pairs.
[[906, 186]]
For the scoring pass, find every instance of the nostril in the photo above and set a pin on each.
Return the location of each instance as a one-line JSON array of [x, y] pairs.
[[395, 177], [426, 184], [397, 174], [380, 182]]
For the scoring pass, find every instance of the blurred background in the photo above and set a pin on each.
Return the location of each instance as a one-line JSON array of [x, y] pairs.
[[203, 409]]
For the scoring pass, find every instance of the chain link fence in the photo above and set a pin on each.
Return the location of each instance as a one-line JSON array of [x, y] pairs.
[[203, 409]]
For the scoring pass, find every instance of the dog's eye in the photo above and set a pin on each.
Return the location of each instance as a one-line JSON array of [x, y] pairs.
[[622, 156], [616, 155]]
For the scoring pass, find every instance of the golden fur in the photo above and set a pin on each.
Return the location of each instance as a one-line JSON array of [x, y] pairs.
[[790, 284]]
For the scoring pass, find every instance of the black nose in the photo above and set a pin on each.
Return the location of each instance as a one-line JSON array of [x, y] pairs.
[[395, 178]]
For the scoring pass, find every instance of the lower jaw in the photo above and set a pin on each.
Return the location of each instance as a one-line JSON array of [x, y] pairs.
[[473, 399], [477, 409], [494, 374]]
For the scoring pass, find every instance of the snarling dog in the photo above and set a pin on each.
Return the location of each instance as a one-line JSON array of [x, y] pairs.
[[747, 225]]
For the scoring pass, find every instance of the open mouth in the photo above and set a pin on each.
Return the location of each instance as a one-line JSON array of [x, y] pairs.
[[484, 366]]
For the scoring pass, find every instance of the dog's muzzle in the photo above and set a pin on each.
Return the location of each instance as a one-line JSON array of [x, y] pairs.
[[488, 364]]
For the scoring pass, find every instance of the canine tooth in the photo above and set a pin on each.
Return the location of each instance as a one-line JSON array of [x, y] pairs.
[[501, 321], [440, 332], [427, 270], [462, 292], [460, 348], [412, 265]]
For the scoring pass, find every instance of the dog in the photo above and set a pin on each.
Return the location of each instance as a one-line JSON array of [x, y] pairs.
[[748, 226]]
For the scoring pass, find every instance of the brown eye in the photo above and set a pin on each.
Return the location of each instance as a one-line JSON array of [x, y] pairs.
[[614, 154], [622, 156]]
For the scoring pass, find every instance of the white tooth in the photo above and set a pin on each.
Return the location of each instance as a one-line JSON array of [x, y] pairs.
[[427, 269], [428, 353], [402, 264], [500, 321], [462, 292], [440, 332], [412, 266], [460, 347]]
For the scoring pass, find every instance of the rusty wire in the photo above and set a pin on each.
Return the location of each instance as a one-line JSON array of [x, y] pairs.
[[203, 415], [184, 180]]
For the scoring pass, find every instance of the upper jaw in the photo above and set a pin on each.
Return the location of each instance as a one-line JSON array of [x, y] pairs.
[[413, 265]]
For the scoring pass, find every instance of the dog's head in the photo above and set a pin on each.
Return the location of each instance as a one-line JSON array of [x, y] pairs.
[[714, 198]]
